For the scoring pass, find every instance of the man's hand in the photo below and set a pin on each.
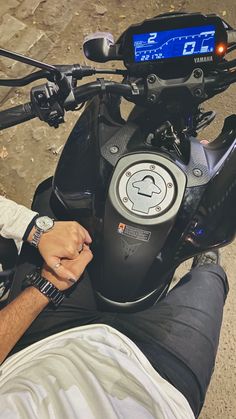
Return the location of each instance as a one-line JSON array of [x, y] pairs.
[[76, 266], [64, 241], [17, 316]]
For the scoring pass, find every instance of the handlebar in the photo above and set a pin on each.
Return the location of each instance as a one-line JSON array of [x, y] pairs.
[[16, 115], [87, 91], [22, 113]]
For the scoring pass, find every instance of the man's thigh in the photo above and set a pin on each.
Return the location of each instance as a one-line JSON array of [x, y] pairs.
[[180, 334]]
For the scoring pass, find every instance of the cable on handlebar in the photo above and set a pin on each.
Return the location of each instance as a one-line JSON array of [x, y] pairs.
[[116, 71], [76, 71]]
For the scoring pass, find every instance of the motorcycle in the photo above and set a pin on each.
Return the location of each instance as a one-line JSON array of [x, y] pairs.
[[149, 192]]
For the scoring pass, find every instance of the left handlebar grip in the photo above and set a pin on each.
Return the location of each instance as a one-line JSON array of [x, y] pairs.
[[16, 115]]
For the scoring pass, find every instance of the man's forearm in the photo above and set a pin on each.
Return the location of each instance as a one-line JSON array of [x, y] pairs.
[[14, 219], [16, 317]]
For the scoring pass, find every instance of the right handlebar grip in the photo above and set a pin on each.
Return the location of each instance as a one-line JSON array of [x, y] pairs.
[[16, 115]]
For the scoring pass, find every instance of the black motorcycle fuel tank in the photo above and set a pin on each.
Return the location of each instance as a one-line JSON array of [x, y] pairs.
[[80, 184], [145, 194]]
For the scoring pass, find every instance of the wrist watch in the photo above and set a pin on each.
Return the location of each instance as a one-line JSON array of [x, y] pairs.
[[42, 225], [45, 287]]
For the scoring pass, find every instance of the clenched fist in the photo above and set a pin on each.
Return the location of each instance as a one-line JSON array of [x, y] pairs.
[[64, 241]]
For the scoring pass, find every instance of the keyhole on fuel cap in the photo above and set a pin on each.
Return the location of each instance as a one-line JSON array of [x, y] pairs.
[[147, 186]]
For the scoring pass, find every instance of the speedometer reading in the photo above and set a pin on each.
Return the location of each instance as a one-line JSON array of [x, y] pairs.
[[182, 42]]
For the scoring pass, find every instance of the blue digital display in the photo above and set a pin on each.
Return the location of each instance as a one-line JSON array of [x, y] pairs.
[[173, 43]]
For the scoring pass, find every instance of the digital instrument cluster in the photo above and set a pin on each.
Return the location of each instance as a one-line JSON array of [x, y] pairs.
[[186, 39], [174, 43]]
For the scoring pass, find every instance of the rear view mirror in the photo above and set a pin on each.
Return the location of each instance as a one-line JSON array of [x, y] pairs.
[[100, 47]]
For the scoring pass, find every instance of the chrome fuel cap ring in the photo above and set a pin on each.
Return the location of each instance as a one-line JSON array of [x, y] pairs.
[[146, 189]]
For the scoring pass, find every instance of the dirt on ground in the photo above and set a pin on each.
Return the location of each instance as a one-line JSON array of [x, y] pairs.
[[53, 31]]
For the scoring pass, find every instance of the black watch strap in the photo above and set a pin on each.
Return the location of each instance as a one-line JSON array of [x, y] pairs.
[[46, 287]]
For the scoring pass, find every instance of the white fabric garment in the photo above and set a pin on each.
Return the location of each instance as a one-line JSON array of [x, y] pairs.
[[14, 219], [89, 372]]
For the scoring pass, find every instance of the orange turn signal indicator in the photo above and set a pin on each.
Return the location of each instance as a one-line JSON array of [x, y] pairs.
[[221, 49]]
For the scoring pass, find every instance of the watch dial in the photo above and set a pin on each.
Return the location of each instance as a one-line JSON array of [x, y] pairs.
[[44, 223]]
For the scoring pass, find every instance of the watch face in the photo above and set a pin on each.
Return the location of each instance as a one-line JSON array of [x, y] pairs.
[[44, 223]]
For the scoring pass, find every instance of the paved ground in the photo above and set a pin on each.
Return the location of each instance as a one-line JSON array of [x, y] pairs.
[[53, 30]]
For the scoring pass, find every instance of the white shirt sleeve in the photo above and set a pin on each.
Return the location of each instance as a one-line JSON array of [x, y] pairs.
[[14, 219]]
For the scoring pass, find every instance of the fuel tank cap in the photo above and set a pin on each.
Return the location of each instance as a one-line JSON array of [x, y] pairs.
[[146, 189]]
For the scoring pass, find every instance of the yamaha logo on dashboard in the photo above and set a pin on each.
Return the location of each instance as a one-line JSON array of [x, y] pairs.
[[203, 59]]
